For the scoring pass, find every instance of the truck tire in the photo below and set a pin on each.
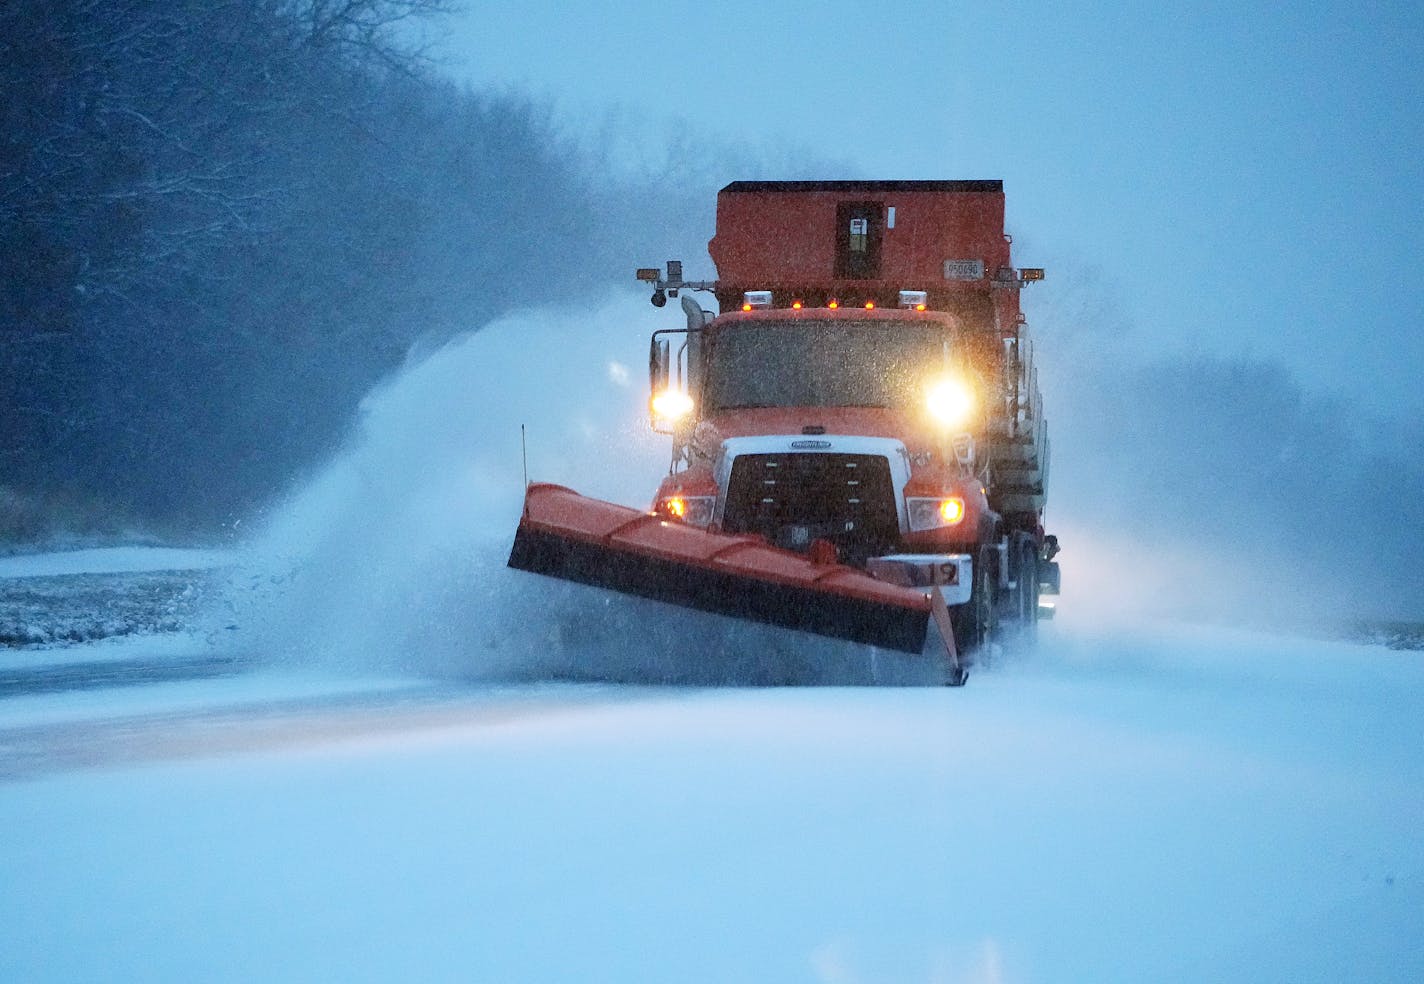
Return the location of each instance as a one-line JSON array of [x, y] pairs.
[[974, 620], [1028, 593]]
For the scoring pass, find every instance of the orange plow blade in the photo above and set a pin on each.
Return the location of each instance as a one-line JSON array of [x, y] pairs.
[[563, 534]]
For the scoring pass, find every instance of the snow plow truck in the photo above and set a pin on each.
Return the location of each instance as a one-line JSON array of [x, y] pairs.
[[859, 448]]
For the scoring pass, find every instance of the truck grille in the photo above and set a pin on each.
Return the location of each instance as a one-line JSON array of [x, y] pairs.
[[793, 499]]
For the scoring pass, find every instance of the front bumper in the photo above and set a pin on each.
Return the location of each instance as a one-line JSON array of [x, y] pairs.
[[953, 573]]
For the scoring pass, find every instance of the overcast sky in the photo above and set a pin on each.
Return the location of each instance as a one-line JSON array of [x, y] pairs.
[[1246, 177]]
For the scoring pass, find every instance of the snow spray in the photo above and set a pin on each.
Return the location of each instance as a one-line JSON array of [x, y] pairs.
[[392, 556]]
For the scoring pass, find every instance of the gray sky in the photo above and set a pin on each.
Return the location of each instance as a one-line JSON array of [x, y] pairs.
[[1246, 178]]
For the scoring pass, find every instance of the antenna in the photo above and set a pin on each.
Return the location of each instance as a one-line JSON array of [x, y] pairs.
[[524, 456]]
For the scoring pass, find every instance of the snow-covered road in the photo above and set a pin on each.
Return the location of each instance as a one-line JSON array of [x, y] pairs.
[[1167, 804]]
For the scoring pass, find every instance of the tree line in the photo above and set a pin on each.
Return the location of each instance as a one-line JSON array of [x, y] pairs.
[[222, 220]]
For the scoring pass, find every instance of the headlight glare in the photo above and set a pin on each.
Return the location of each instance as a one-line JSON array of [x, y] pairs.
[[950, 402], [671, 405]]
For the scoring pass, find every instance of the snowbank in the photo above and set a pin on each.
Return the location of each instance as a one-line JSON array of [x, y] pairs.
[[113, 560]]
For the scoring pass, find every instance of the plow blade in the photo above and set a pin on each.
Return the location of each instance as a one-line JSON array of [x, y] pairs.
[[563, 534]]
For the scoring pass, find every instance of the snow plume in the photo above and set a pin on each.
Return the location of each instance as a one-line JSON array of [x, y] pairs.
[[395, 551]]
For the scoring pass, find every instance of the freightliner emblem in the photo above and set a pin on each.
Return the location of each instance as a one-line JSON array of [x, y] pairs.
[[810, 444]]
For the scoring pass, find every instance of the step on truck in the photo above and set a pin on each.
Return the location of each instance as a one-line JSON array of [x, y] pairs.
[[859, 448]]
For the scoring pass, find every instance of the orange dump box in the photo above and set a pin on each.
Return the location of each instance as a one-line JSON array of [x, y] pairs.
[[795, 238], [566, 535]]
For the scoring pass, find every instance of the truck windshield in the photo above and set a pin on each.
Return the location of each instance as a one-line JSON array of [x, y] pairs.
[[820, 364]]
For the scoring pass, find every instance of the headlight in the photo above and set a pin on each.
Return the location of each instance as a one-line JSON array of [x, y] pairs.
[[694, 510], [950, 402], [931, 514], [671, 405]]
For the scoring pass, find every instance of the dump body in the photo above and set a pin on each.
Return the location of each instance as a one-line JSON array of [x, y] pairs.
[[944, 237]]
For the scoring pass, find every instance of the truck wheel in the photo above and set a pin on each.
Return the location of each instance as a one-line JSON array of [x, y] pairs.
[[973, 621], [1028, 593]]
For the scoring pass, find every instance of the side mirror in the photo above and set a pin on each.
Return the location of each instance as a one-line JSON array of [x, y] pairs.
[[659, 364]]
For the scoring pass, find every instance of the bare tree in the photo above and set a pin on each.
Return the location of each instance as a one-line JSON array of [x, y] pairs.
[[222, 220]]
